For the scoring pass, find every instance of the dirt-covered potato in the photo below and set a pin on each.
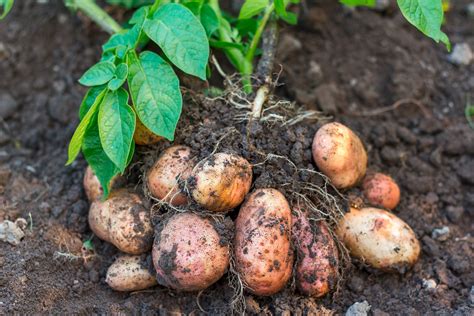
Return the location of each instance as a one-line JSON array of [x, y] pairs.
[[220, 182], [162, 180], [130, 273], [317, 257], [123, 221], [379, 238], [143, 136], [263, 252], [340, 155], [189, 254], [381, 190]]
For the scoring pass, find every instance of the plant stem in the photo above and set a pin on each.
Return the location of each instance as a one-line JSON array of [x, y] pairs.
[[96, 14], [258, 34]]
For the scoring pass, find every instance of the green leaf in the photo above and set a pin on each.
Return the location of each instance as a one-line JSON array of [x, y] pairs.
[[139, 16], [7, 6], [131, 3], [251, 8], [89, 100], [98, 74], [209, 19], [426, 16], [359, 3], [78, 136], [181, 37], [95, 156], [155, 93], [116, 127], [121, 74]]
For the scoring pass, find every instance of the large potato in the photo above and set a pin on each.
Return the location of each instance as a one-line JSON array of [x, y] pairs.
[[175, 163], [340, 155], [381, 190], [189, 254], [221, 182], [317, 257], [130, 273], [263, 253], [379, 239], [123, 221]]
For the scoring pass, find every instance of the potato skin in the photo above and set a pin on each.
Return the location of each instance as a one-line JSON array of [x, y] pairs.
[[92, 186], [381, 190], [263, 252], [188, 254], [379, 238], [317, 256], [175, 162], [143, 136], [130, 273], [339, 154], [221, 182], [123, 221]]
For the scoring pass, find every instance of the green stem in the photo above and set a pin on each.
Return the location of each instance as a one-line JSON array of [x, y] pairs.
[[96, 14], [258, 34], [154, 7]]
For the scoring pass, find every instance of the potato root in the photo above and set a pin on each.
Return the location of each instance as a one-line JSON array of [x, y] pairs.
[[130, 273], [381, 190], [143, 136], [123, 221], [379, 238], [189, 254], [317, 255], [162, 180], [340, 155], [221, 182], [263, 252]]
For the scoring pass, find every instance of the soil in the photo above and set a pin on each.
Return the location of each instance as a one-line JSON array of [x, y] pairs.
[[345, 63]]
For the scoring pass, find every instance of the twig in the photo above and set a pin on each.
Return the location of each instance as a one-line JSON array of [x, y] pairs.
[[395, 106]]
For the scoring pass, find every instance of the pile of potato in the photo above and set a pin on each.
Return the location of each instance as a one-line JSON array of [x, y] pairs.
[[271, 239]]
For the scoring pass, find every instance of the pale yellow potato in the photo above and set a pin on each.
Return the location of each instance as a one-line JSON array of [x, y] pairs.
[[381, 190], [130, 273], [340, 155], [263, 252], [189, 254], [379, 238], [221, 182], [123, 221], [162, 180]]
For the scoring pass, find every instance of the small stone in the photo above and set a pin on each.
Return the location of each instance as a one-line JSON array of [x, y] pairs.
[[358, 309], [454, 213], [440, 234], [8, 105], [429, 284], [461, 54], [12, 232]]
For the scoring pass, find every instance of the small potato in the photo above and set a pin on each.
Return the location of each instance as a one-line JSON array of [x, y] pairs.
[[188, 253], [340, 155], [143, 136], [381, 190], [379, 238], [130, 273], [123, 221], [175, 163], [317, 257], [221, 182], [263, 253]]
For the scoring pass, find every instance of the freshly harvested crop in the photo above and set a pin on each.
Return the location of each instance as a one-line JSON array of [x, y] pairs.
[[381, 190], [130, 273]]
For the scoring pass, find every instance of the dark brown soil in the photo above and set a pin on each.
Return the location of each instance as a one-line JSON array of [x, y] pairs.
[[347, 63]]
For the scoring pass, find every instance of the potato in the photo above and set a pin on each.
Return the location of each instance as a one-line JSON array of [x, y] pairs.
[[379, 238], [188, 253], [175, 163], [381, 190], [123, 221], [221, 182], [317, 257], [130, 273], [263, 253], [143, 136], [340, 155], [92, 186]]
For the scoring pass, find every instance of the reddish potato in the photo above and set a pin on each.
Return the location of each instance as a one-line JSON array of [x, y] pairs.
[[123, 221], [130, 273], [379, 238], [221, 182], [92, 186], [143, 136], [188, 253], [263, 253], [175, 163], [340, 155], [317, 256], [381, 190]]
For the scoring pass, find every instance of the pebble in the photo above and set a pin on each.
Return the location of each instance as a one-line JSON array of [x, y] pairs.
[[358, 309], [461, 55], [8, 105], [454, 213], [429, 284], [440, 234]]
